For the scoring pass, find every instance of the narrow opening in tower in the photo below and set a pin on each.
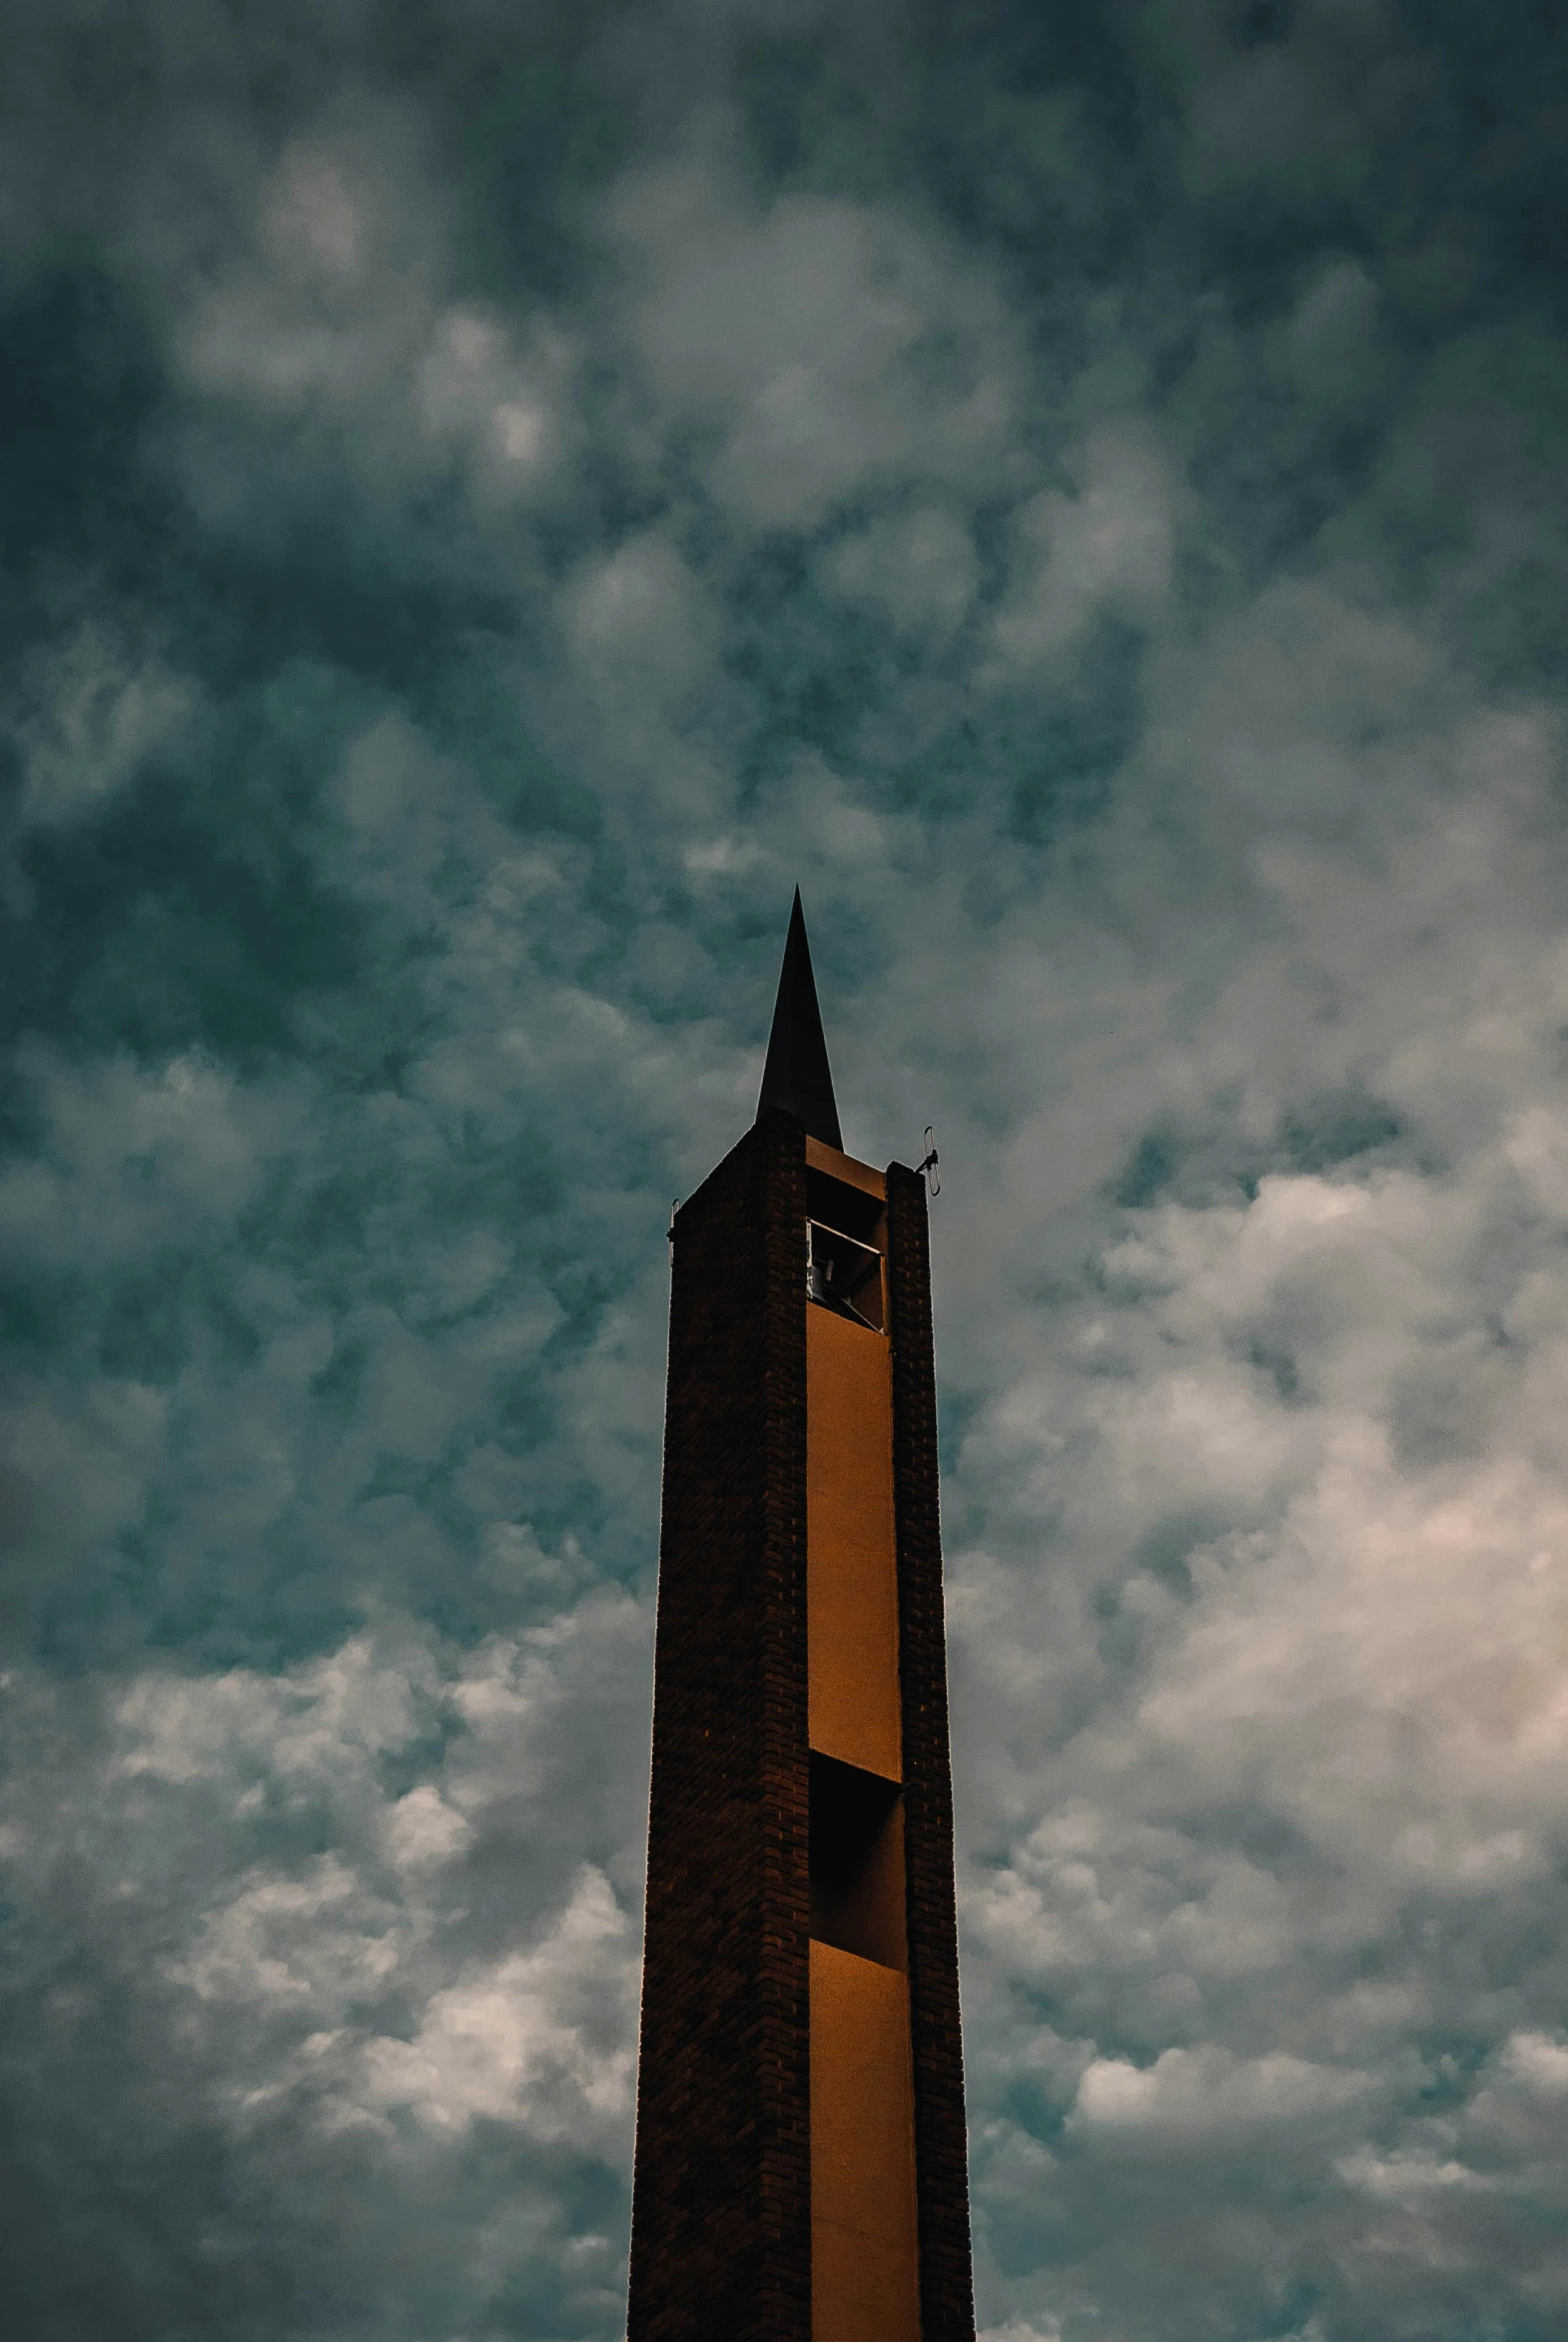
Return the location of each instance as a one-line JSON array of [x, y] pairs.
[[857, 1862], [858, 1214], [844, 1275], [844, 1249]]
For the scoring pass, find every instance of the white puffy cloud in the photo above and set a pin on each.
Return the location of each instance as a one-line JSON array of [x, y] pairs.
[[1104, 546], [91, 710], [337, 322], [918, 567], [423, 1828], [347, 1990], [137, 1157], [830, 345], [1193, 2092], [540, 2038]]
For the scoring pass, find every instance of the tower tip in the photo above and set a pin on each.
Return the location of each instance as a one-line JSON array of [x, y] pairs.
[[796, 1076]]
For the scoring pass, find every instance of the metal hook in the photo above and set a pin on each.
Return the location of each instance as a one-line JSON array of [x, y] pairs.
[[669, 1234], [929, 1167]]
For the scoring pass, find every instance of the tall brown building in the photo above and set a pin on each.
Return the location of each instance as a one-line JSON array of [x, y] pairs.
[[801, 2169]]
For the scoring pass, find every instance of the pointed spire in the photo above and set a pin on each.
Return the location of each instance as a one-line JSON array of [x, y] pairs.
[[796, 1076]]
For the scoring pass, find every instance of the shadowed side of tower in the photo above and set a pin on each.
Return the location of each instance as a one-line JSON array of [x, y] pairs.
[[801, 2166], [941, 2134], [722, 2204]]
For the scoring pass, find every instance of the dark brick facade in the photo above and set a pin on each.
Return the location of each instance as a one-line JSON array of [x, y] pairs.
[[722, 2213], [721, 2235], [947, 2301]]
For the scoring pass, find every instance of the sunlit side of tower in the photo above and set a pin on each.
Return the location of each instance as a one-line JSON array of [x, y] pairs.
[[801, 2164]]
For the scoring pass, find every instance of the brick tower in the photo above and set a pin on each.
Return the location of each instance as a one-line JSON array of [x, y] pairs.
[[801, 2171]]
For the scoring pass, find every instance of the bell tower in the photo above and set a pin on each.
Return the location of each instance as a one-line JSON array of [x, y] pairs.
[[801, 2169]]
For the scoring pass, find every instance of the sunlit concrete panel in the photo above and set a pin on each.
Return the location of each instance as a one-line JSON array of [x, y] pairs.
[[851, 1572], [863, 2262]]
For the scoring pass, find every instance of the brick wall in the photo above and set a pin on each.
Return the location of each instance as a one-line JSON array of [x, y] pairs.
[[721, 2233], [721, 2195], [941, 2141]]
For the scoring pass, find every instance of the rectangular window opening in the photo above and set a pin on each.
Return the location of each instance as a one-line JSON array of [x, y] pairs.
[[857, 1862], [842, 1206], [844, 1233], [844, 1274]]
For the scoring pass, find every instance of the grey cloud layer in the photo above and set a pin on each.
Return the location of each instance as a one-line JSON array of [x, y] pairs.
[[492, 504]]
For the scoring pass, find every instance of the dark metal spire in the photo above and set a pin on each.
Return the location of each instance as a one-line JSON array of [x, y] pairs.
[[796, 1076]]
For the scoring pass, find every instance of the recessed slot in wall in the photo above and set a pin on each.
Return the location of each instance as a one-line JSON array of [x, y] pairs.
[[844, 1275], [843, 1244], [860, 1215], [857, 1862]]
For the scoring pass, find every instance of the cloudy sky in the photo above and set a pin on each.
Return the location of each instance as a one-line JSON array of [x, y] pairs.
[[492, 495]]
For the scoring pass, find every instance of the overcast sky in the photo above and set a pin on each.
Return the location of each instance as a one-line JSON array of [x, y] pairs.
[[490, 498]]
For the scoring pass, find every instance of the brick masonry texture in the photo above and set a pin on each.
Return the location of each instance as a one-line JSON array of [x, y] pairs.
[[947, 2301], [721, 2208], [722, 2217]]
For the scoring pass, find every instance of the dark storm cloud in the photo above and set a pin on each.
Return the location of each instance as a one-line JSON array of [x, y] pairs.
[[490, 501]]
